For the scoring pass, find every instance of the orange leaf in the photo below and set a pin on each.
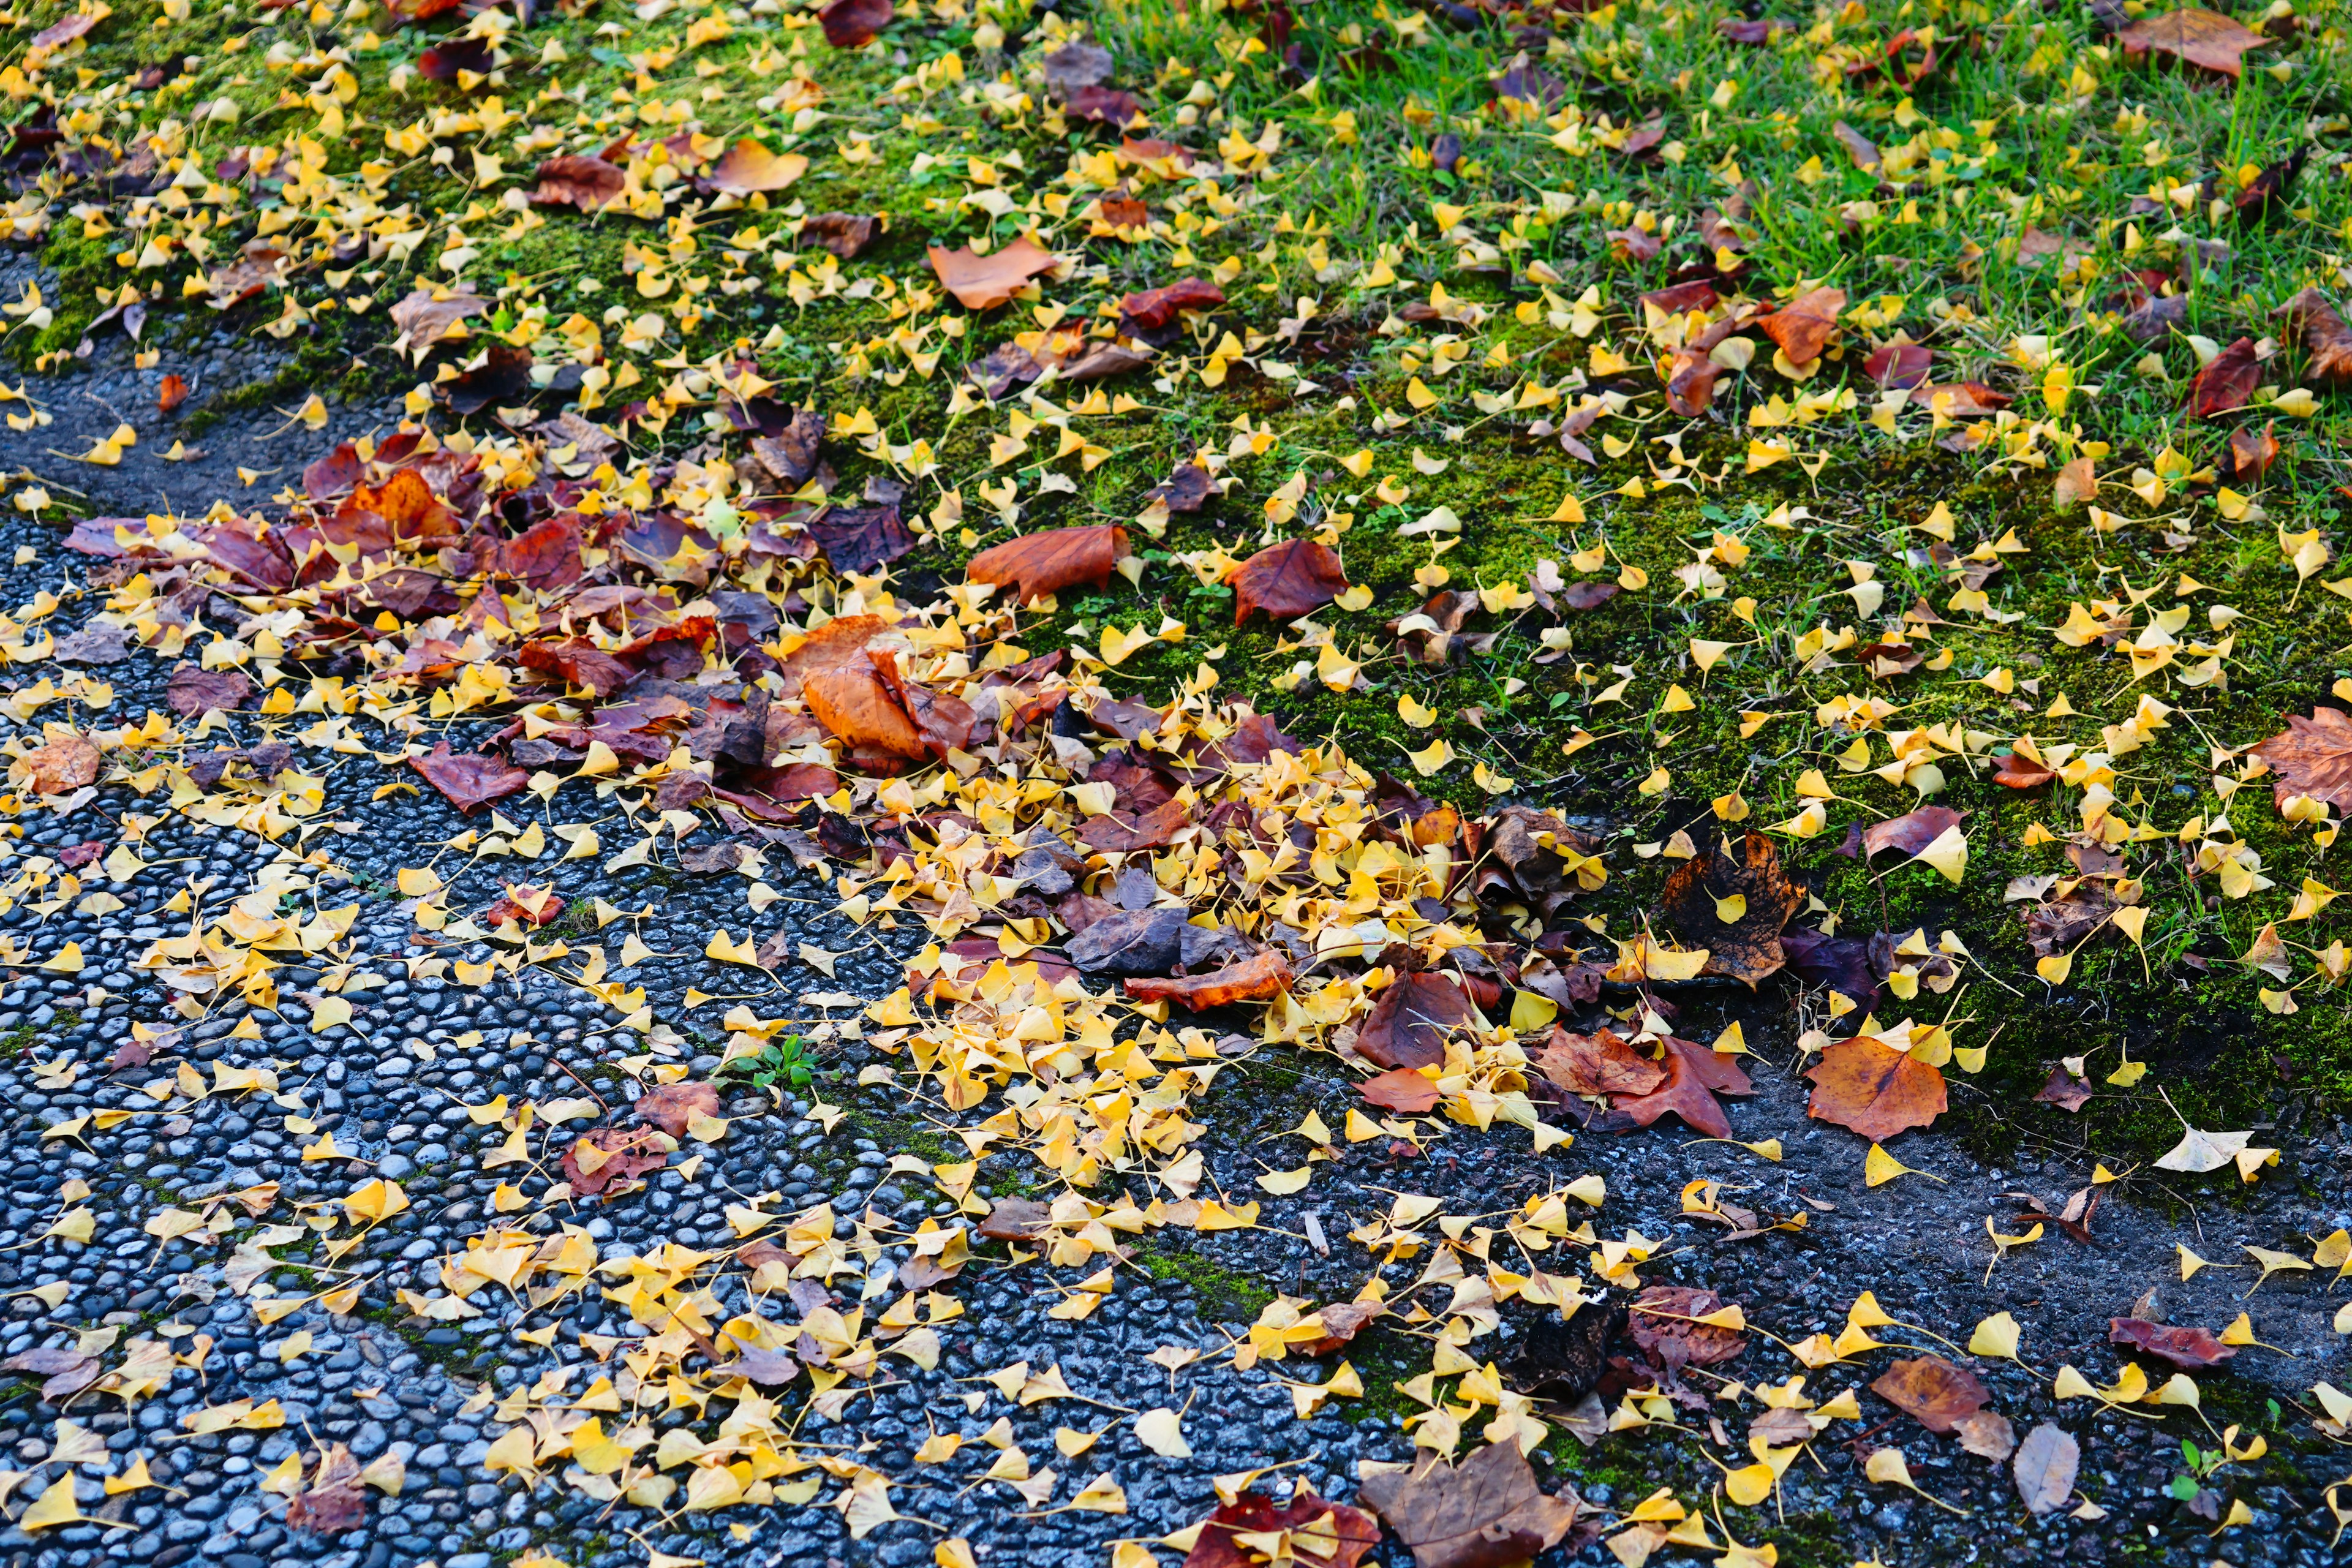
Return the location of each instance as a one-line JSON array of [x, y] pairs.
[[984, 282], [1287, 581], [1036, 564], [1869, 1085]]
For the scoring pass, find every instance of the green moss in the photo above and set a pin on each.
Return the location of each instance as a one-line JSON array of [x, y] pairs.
[[1226, 1295]]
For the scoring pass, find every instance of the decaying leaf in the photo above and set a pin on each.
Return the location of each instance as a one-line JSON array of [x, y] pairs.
[[470, 779], [334, 1500], [1244, 1533], [1484, 1511], [1866, 1085], [607, 1155], [1401, 1089], [2189, 1349], [61, 766], [672, 1107], [2225, 381], [1596, 1064], [853, 24], [1932, 1391], [1734, 905], [2312, 759], [1253, 979], [2045, 1468], [2194, 35], [1407, 1027], [1666, 1325], [2327, 341], [1695, 1076]]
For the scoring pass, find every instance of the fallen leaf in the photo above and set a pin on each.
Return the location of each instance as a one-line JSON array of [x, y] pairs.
[[1342, 1321], [2312, 759], [2250, 453], [1287, 581], [2199, 1151], [193, 692], [1988, 1434], [1156, 309], [1911, 832], [2327, 341], [861, 539], [1327, 1534], [2065, 1090], [984, 282], [1664, 1324], [1931, 1391], [618, 1155], [1899, 366], [2188, 1349], [63, 766], [748, 166], [1015, 1219], [1036, 564], [1186, 490], [1408, 1024], [846, 234], [1485, 1511], [1254, 978], [1130, 942], [855, 703], [590, 184], [425, 319], [445, 60], [1747, 947], [2226, 380], [1401, 1089], [2045, 1468], [1866, 1085], [672, 1107], [853, 24], [502, 378], [1695, 1076], [1802, 328], [470, 779], [1599, 1063], [171, 392], [2199, 37]]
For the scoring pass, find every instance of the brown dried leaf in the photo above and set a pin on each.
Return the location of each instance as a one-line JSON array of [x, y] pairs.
[[1911, 832], [1693, 1076], [64, 764], [2250, 453], [1156, 307], [589, 183], [984, 282], [192, 691], [2189, 1349], [1408, 1026], [2045, 1466], [425, 319], [1931, 1391], [1599, 1063], [1988, 1434], [1802, 328], [844, 234], [2327, 341], [1015, 1219], [2199, 37], [855, 703], [1342, 1321], [1295, 578], [1036, 564], [171, 392], [2313, 758], [748, 166], [1484, 1513], [1749, 948], [2225, 382], [1868, 1086], [1254, 978], [627, 1155], [673, 1106], [2065, 1090], [1662, 1326]]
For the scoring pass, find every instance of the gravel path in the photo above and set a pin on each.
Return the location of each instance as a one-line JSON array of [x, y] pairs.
[[403, 1087]]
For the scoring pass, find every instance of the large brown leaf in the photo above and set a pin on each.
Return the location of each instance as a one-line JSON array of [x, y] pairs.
[[1748, 946], [626, 1155], [1931, 1391], [1599, 1063], [855, 703], [2314, 758], [748, 166], [1401, 1089], [1156, 307], [1694, 1077], [2327, 341], [2226, 382], [984, 282], [1408, 1026], [1036, 564], [335, 1501], [1482, 1514], [586, 182], [1869, 1085], [1295, 578], [1661, 1325], [192, 691], [838, 642], [425, 319], [1254, 978], [470, 780], [1802, 327], [2199, 37], [944, 722], [844, 234], [2189, 1349], [1125, 832], [1253, 1513]]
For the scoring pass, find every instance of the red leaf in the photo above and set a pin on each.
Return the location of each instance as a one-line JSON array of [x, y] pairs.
[[1124, 831], [1036, 564], [1694, 1074], [526, 905], [192, 691], [1287, 581], [2013, 772], [2226, 382], [1254, 978], [2252, 452], [2327, 342], [1803, 327], [1904, 365], [853, 24], [627, 1155], [855, 703], [1599, 1063], [2188, 1349], [1155, 308], [1254, 1513], [470, 780]]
